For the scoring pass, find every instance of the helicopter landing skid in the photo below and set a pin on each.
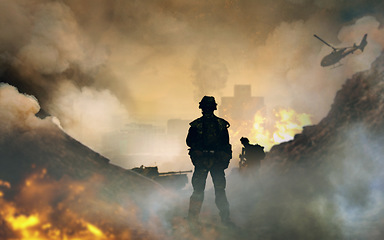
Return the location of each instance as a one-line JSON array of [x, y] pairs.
[[337, 66]]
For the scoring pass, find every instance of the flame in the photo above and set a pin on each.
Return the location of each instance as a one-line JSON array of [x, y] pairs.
[[94, 230], [46, 209], [20, 223], [282, 127], [28, 224]]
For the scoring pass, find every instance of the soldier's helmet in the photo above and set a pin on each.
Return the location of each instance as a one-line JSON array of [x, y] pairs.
[[244, 140], [208, 103]]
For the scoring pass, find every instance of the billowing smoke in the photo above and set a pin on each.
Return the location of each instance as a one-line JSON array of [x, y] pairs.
[[17, 112], [55, 63], [91, 114], [210, 73], [55, 41]]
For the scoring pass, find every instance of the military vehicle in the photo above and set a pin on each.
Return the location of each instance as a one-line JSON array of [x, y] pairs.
[[175, 180]]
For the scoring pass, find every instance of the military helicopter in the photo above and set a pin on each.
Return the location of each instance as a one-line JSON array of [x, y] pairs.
[[338, 53]]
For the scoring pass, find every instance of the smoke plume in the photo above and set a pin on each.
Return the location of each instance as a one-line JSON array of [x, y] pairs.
[[210, 73]]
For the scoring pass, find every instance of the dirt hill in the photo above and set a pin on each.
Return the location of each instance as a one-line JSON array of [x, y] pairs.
[[54, 187]]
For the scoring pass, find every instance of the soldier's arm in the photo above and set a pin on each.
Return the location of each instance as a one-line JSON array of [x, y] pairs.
[[225, 145], [191, 137]]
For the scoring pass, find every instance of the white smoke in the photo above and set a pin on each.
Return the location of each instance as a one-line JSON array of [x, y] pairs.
[[88, 114], [17, 113]]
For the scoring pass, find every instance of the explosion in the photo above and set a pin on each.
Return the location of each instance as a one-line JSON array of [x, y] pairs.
[[281, 127]]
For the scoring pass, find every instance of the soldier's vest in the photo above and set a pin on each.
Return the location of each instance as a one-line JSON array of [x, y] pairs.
[[210, 132]]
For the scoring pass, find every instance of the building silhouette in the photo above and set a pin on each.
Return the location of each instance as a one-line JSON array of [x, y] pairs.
[[242, 106]]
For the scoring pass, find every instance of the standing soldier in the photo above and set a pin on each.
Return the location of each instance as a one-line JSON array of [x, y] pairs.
[[210, 151]]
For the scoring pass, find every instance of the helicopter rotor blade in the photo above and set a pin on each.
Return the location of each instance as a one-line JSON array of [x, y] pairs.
[[324, 42]]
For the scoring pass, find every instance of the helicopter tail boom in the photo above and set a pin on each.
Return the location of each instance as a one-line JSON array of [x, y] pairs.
[[363, 43]]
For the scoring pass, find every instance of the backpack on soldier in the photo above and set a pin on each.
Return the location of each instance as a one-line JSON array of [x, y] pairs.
[[254, 152]]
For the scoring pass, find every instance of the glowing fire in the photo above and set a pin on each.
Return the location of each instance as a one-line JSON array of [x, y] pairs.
[[281, 127], [31, 223], [46, 209]]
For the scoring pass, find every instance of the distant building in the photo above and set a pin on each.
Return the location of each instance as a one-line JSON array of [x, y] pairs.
[[145, 144], [242, 106], [135, 139]]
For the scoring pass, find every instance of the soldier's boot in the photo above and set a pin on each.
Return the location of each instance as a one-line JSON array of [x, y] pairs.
[[195, 203], [226, 220], [223, 206]]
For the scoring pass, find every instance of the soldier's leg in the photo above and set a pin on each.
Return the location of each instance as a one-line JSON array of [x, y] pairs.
[[198, 182], [219, 182]]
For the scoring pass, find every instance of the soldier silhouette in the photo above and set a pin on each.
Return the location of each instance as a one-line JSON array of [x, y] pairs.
[[251, 155], [210, 151]]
